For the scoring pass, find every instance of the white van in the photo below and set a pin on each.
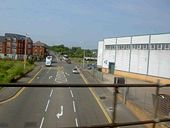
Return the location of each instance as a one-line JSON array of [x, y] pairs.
[[48, 61]]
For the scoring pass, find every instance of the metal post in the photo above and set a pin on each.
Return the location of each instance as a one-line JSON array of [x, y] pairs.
[[115, 105], [25, 53], [156, 105], [83, 58]]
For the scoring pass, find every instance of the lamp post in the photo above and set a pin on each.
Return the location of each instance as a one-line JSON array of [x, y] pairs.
[[25, 51], [83, 57]]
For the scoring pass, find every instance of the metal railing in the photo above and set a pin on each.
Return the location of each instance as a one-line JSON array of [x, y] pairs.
[[156, 120]]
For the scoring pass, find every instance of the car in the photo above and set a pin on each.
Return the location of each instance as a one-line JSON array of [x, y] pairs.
[[68, 61], [75, 71]]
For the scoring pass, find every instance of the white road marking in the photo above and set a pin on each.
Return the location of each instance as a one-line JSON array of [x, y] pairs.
[[74, 107], [67, 74], [76, 122], [50, 77], [71, 93], [61, 113], [47, 105], [42, 121], [51, 92]]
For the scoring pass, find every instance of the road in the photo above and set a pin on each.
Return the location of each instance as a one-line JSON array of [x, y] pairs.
[[60, 107], [53, 107]]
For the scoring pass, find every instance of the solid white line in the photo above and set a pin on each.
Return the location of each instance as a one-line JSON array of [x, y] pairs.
[[76, 122], [47, 106], [42, 121], [51, 92], [71, 93], [74, 106]]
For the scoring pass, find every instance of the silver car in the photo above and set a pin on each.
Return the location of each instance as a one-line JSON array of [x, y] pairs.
[[75, 71]]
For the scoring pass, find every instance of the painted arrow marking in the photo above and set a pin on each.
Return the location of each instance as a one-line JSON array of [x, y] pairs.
[[50, 77], [61, 113]]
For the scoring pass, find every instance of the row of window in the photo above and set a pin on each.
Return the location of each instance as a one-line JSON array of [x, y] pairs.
[[138, 47]]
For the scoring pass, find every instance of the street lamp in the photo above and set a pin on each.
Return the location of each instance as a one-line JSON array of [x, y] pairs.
[[25, 52]]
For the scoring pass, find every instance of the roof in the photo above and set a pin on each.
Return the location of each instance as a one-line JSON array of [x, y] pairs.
[[2, 38], [12, 35], [39, 43]]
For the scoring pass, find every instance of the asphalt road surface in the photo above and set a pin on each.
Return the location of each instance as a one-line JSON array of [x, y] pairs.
[[53, 107], [59, 107]]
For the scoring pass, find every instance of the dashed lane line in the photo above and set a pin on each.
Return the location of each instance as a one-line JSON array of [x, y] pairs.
[[51, 92], [71, 93], [46, 108], [74, 107], [76, 122], [42, 121]]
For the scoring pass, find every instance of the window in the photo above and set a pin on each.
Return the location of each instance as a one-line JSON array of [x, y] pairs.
[[165, 46], [8, 39], [8, 44], [14, 39], [8, 50], [13, 56], [29, 45], [152, 46], [144, 46], [138, 46], [0, 43], [13, 50], [0, 49], [13, 45]]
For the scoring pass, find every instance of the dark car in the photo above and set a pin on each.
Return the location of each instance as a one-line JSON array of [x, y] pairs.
[[68, 61]]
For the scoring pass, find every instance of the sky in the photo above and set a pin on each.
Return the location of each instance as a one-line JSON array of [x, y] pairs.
[[83, 22]]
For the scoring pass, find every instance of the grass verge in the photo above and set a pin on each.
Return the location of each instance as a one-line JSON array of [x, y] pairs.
[[11, 70]]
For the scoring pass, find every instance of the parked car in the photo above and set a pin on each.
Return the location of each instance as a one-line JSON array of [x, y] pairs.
[[75, 71]]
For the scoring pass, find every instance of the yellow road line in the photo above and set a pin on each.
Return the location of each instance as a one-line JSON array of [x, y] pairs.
[[34, 76], [98, 101], [15, 96], [21, 90]]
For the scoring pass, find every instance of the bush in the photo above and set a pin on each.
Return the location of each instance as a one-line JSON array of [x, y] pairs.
[[9, 70], [30, 61]]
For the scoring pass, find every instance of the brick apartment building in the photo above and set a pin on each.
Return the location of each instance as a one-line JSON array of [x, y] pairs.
[[13, 46], [39, 50]]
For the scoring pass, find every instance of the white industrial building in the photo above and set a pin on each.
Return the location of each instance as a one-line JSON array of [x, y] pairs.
[[145, 57]]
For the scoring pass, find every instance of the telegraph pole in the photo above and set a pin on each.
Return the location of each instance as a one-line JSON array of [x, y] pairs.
[[25, 52], [83, 57]]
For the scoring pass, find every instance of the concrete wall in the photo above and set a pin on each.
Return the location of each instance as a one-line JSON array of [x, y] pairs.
[[161, 38], [140, 39], [124, 40], [108, 56], [1, 55], [122, 60], [139, 61], [100, 54], [159, 63]]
